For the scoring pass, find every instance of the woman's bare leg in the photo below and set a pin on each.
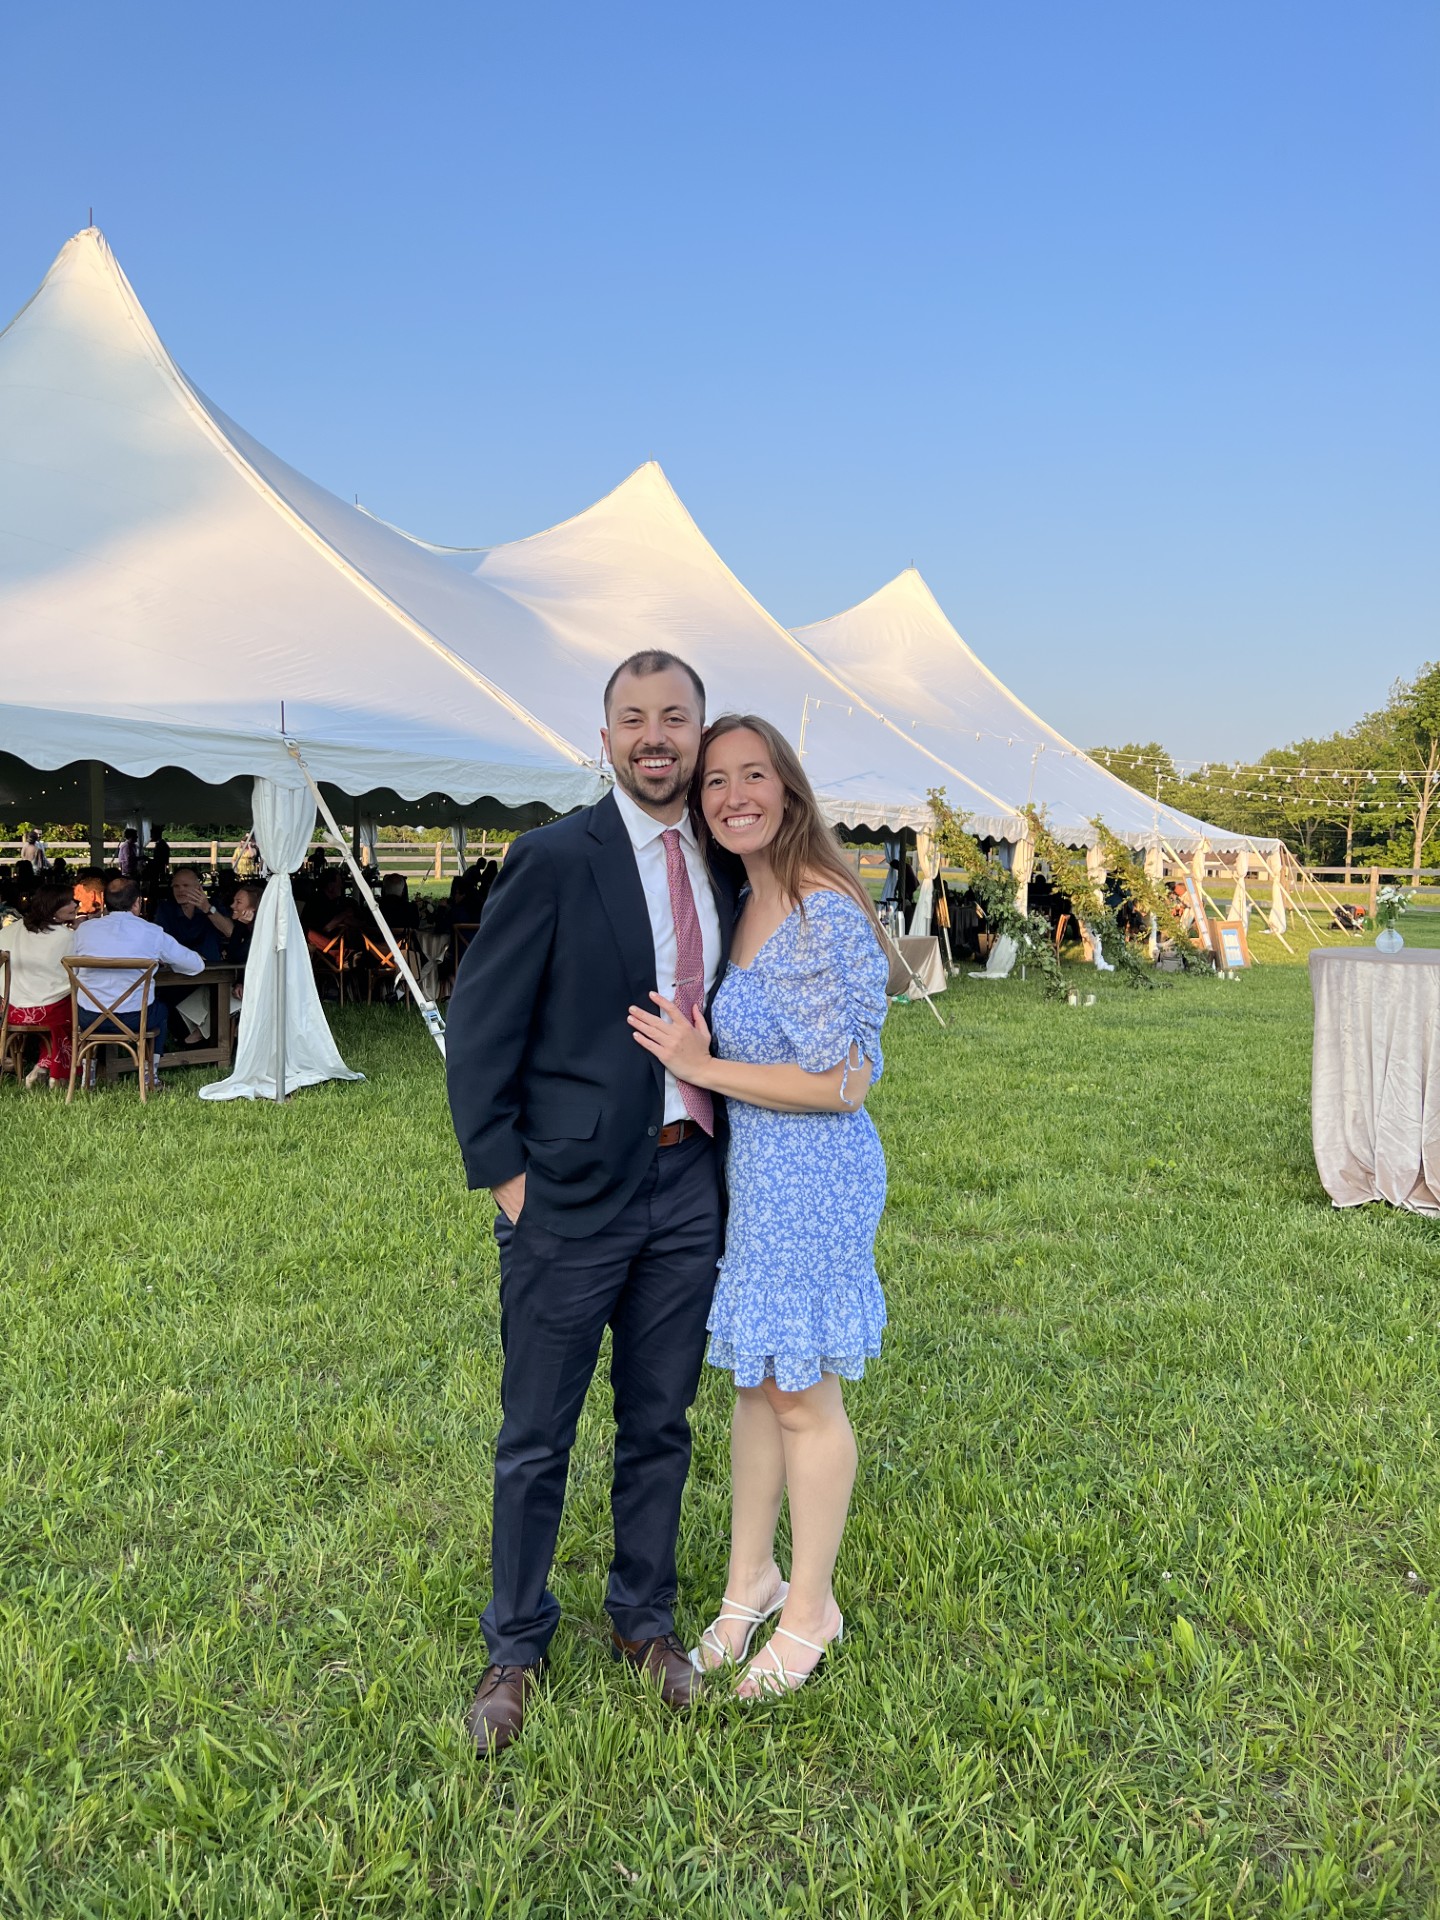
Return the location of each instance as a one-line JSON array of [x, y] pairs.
[[820, 1458], [757, 1484]]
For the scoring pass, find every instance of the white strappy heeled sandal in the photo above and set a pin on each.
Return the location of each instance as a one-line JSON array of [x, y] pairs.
[[778, 1679], [710, 1641]]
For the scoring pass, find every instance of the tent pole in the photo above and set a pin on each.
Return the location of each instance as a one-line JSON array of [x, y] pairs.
[[280, 960], [429, 1012], [97, 813]]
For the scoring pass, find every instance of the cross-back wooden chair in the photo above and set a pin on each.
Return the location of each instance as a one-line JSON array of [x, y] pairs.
[[8, 1039], [98, 1025], [383, 968], [332, 959], [461, 934]]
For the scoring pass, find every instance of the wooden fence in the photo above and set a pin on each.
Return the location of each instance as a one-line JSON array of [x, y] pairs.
[[417, 860]]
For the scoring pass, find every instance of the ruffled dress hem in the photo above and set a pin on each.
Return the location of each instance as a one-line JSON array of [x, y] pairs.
[[791, 1372]]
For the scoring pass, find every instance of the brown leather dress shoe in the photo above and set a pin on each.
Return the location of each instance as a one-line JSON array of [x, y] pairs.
[[665, 1660], [498, 1712]]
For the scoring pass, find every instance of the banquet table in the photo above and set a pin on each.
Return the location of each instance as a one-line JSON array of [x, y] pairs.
[[1375, 1085], [220, 979]]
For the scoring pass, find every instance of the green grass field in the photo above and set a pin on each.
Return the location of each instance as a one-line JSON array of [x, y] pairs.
[[1138, 1587]]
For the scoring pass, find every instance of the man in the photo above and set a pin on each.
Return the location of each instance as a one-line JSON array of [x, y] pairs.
[[127, 854], [194, 1008], [122, 934], [189, 917], [606, 1173]]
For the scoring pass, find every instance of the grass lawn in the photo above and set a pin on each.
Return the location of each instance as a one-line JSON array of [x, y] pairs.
[[1138, 1585]]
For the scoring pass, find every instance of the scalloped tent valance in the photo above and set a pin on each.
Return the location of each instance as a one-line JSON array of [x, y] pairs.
[[172, 593]]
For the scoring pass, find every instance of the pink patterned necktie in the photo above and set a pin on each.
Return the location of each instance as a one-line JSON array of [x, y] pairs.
[[689, 965]]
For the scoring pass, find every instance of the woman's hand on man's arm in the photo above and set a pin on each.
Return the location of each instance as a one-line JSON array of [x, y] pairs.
[[682, 1046]]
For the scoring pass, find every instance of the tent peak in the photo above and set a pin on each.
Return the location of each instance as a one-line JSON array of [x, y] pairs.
[[909, 585]]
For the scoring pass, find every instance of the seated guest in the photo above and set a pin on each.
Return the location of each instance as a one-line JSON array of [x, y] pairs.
[[121, 934], [189, 917], [24, 881], [396, 904], [39, 984], [127, 856], [90, 892], [194, 1009], [328, 912]]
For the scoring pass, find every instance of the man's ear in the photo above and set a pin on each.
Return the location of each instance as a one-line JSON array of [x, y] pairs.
[[605, 747]]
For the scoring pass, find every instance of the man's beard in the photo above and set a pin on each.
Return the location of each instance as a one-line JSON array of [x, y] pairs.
[[652, 789]]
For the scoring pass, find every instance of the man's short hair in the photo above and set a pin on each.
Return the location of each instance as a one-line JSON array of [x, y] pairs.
[[121, 894], [654, 660]]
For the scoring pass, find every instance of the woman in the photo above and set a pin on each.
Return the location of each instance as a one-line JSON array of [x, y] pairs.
[[39, 985], [797, 1303]]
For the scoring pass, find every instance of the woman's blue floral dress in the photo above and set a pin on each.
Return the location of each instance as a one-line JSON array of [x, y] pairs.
[[798, 1294]]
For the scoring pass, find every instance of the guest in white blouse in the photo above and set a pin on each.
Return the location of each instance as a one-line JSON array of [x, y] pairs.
[[39, 985]]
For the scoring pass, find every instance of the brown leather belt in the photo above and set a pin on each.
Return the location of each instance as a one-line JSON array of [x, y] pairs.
[[676, 1131]]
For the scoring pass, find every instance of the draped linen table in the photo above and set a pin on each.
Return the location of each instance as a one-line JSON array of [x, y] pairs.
[[434, 949], [1375, 1085]]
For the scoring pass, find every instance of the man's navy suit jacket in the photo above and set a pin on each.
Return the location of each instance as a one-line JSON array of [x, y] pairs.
[[545, 1075]]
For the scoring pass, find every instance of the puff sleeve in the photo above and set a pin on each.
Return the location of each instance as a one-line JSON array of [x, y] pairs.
[[828, 988]]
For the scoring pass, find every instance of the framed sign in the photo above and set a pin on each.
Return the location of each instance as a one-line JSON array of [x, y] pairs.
[[1227, 939]]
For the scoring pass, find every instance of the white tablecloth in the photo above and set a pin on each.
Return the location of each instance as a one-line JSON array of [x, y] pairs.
[[921, 952], [1375, 1090], [431, 949]]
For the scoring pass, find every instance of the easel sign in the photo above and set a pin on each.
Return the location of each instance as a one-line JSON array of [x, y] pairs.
[[1228, 942]]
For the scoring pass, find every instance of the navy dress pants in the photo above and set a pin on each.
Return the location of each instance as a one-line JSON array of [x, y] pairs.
[[649, 1276]]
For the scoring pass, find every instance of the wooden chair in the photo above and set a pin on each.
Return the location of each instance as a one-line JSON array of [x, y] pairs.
[[461, 934], [99, 1026], [383, 968], [330, 960], [8, 1040]]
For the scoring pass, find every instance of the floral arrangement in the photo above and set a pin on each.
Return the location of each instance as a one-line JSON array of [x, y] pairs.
[[1390, 903]]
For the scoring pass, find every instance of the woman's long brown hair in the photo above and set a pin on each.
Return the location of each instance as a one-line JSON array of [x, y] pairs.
[[806, 846]]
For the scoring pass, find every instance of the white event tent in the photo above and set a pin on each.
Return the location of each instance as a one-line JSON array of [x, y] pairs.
[[183, 614], [635, 571], [900, 651]]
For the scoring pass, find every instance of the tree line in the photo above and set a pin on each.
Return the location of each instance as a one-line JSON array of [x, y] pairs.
[[1364, 797]]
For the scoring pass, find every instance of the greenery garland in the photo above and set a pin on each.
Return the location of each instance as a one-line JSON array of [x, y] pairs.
[[993, 889], [1149, 897], [1071, 877]]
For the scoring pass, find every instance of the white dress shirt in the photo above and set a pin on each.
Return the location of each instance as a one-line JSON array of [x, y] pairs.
[[646, 833], [125, 936]]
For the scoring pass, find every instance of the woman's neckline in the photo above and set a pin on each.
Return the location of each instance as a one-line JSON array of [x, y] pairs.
[[780, 926]]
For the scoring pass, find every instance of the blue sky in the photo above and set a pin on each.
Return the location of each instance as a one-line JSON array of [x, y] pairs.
[[1119, 320]]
